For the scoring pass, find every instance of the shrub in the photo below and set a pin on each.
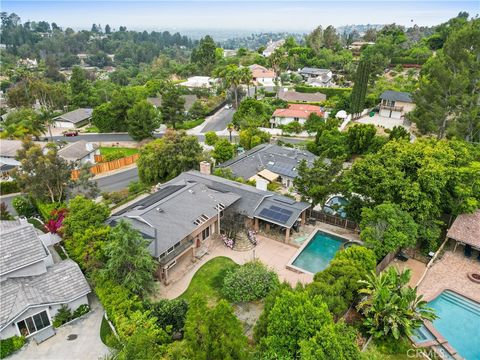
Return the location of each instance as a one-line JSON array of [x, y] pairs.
[[114, 155], [24, 206], [64, 314], [136, 187], [292, 128], [10, 345], [249, 282], [170, 313], [211, 138], [9, 187], [81, 310], [48, 210]]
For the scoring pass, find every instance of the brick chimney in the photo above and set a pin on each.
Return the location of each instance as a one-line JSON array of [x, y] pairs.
[[205, 167]]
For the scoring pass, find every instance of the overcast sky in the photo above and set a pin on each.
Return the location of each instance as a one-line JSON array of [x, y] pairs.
[[259, 15]]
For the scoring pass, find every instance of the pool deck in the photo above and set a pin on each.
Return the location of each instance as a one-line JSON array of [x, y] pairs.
[[450, 273], [417, 268]]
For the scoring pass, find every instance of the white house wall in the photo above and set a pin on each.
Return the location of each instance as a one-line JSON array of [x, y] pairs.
[[287, 120]]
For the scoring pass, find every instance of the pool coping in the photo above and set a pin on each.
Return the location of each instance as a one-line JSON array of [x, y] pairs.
[[439, 339], [296, 269]]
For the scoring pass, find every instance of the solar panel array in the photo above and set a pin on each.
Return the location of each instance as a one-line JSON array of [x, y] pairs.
[[276, 214]]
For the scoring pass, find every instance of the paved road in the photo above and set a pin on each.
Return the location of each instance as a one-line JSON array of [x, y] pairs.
[[219, 120], [118, 180], [7, 199]]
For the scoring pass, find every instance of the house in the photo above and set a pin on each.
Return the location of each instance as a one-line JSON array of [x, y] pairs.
[[28, 63], [189, 100], [262, 76], [195, 82], [229, 53], [34, 287], [357, 46], [79, 152], [317, 77], [8, 152], [295, 96], [466, 230], [294, 112], [270, 162], [395, 104], [272, 46], [73, 119], [185, 212]]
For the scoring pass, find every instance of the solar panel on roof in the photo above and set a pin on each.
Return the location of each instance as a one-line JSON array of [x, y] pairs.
[[286, 211], [275, 208]]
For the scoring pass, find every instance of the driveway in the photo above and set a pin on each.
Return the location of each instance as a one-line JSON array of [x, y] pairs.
[[117, 180], [219, 120], [87, 345]]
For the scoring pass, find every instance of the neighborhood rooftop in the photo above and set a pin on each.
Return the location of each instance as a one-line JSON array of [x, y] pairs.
[[76, 116], [466, 229], [189, 100], [303, 97], [313, 71], [396, 96], [301, 111], [277, 159], [62, 283], [19, 246], [9, 148], [77, 150]]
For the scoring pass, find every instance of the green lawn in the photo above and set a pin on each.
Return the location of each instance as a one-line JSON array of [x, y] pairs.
[[208, 280], [109, 150]]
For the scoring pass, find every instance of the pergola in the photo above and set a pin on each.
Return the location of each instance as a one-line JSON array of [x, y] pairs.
[[466, 230]]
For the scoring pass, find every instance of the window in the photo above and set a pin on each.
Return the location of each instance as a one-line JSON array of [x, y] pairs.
[[205, 233], [169, 250], [33, 324], [295, 118]]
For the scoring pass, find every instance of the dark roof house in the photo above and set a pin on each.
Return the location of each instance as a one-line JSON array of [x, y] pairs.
[[396, 96], [77, 118], [294, 96]]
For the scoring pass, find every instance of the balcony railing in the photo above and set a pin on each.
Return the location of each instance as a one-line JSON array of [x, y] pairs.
[[391, 108], [177, 251]]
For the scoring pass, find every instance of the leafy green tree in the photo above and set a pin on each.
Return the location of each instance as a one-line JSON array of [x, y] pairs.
[[143, 344], [314, 40], [392, 308], [165, 158], [233, 77], [83, 214], [23, 206], [315, 182], [386, 228], [170, 313], [205, 54], [45, 177], [330, 142], [197, 111], [173, 107], [83, 185], [211, 138], [80, 87], [360, 138], [359, 91], [223, 151], [398, 133], [251, 281], [330, 37], [23, 123], [251, 137], [212, 333], [129, 261], [313, 123], [252, 113], [87, 247], [142, 120]]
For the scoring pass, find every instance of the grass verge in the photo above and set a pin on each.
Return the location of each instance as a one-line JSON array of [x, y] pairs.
[[127, 151]]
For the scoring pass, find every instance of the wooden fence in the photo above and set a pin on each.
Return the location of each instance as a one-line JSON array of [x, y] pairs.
[[334, 220], [385, 261], [108, 166]]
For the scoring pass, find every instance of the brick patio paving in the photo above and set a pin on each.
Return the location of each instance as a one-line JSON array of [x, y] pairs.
[[450, 272]]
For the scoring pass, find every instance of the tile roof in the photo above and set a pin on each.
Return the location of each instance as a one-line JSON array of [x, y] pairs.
[[259, 71], [298, 111], [62, 283], [396, 96], [76, 116], [19, 246], [77, 150], [466, 229], [298, 96], [278, 159]]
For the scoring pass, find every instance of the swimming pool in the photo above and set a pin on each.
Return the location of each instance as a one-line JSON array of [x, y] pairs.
[[318, 252], [459, 322]]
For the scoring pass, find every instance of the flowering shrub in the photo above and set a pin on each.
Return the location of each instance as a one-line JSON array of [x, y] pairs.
[[251, 236], [227, 241], [55, 220], [249, 282]]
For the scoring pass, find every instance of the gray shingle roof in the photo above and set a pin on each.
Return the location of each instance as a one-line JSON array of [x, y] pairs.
[[19, 246], [76, 116], [62, 283], [313, 71], [9, 148], [298, 96], [189, 100], [77, 150], [171, 217], [396, 96], [278, 159]]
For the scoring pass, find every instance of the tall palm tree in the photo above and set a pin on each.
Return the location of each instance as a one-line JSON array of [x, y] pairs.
[[246, 78], [390, 306]]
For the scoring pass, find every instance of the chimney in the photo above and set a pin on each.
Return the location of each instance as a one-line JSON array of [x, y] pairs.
[[205, 168], [261, 184]]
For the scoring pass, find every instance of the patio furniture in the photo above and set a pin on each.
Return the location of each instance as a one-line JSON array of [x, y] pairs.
[[402, 256], [312, 220]]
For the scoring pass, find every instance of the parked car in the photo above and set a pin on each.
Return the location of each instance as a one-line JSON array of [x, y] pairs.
[[70, 133]]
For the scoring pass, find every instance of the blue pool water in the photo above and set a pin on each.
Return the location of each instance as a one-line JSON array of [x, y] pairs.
[[459, 323], [318, 253]]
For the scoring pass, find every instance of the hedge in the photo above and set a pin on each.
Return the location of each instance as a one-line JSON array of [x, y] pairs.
[[327, 91], [9, 187], [10, 345], [190, 124], [407, 60]]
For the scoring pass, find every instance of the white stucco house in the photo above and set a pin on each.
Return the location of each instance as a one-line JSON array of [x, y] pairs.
[[272, 46], [32, 287], [262, 76], [294, 112], [395, 104], [195, 82]]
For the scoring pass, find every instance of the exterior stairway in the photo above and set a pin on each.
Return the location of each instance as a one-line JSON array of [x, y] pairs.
[[242, 243]]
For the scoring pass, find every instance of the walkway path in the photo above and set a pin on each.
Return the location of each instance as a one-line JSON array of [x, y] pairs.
[[271, 252]]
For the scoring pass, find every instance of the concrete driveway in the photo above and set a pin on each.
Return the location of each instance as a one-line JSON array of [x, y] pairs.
[[87, 345], [219, 120]]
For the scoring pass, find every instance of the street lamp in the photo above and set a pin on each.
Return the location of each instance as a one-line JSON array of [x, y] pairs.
[[230, 130]]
